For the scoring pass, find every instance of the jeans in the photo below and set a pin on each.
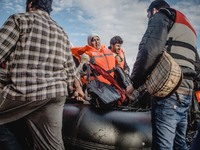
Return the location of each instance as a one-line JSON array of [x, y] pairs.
[[169, 122], [7, 139]]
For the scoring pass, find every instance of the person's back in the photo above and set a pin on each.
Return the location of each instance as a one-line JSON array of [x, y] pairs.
[[181, 41], [40, 73], [37, 62]]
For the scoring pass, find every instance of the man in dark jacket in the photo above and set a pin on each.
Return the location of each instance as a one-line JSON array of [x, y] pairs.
[[167, 29]]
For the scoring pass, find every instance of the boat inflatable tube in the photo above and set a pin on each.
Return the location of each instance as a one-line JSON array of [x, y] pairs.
[[88, 128]]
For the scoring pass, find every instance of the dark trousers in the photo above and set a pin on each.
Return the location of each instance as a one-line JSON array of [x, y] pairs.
[[196, 142], [7, 139]]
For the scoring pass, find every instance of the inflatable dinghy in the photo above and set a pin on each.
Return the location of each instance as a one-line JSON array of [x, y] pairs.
[[89, 128], [85, 127]]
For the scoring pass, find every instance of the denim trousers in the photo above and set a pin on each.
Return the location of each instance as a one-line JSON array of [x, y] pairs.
[[169, 122]]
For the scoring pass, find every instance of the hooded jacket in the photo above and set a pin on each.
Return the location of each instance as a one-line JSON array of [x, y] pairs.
[[167, 24]]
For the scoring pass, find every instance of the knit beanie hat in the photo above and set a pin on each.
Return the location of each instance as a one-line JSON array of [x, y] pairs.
[[90, 37]]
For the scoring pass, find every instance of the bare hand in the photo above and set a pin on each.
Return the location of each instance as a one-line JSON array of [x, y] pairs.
[[129, 92], [79, 94], [129, 89]]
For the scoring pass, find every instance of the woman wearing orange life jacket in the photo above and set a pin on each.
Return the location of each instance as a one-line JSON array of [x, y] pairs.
[[98, 54], [118, 52]]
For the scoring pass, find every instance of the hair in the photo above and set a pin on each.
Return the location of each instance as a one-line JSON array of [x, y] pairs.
[[45, 5], [34, 2], [158, 4], [116, 39]]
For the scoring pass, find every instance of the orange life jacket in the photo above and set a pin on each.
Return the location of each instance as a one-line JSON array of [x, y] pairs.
[[120, 62], [78, 51], [103, 58]]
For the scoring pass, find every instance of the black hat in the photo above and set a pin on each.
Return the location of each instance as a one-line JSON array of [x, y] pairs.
[[158, 4]]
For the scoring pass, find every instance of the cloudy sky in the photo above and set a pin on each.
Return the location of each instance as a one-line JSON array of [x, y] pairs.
[[126, 18]]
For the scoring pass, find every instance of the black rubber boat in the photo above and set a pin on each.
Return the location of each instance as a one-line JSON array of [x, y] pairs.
[[90, 128]]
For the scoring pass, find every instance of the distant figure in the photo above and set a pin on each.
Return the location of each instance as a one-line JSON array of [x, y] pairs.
[[167, 29]]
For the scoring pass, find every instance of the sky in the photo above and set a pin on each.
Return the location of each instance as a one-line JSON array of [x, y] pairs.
[[107, 18]]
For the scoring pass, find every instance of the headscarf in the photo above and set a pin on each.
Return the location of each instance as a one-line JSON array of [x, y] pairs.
[[45, 5], [89, 39]]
